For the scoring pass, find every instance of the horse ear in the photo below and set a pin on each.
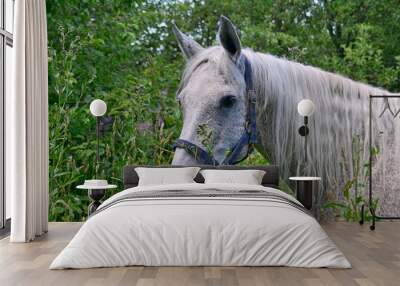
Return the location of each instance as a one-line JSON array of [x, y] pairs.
[[188, 46], [229, 38]]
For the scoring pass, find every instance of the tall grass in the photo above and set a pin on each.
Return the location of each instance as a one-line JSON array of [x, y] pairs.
[[146, 121]]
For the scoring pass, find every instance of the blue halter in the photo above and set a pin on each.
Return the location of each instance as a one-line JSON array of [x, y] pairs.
[[248, 138]]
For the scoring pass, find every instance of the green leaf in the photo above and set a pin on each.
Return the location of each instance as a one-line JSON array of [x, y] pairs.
[[334, 205]]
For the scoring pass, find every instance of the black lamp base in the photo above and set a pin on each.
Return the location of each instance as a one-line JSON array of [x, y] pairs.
[[303, 130]]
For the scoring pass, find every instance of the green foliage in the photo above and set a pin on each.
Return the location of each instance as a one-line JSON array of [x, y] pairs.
[[204, 133], [124, 53], [354, 190]]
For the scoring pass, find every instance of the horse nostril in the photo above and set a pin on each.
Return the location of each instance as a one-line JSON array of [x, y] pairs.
[[227, 101]]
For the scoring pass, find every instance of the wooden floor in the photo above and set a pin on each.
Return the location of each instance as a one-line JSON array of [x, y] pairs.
[[375, 257]]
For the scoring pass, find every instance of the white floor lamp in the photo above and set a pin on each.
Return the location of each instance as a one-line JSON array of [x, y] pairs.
[[96, 187], [98, 108], [305, 108]]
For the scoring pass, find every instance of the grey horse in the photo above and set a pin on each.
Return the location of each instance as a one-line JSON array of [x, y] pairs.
[[213, 94]]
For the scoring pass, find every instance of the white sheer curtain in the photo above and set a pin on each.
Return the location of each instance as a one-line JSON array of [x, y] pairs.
[[27, 124]]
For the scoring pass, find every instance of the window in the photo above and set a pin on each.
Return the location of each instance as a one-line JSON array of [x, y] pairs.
[[6, 64]]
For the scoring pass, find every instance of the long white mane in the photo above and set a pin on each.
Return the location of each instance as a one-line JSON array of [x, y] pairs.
[[341, 115], [342, 107]]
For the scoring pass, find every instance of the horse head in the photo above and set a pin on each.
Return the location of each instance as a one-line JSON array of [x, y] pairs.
[[213, 96]]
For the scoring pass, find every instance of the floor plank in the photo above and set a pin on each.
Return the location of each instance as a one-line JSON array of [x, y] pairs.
[[375, 257]]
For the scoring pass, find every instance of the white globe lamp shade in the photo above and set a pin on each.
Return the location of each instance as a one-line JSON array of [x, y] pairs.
[[98, 107], [306, 107]]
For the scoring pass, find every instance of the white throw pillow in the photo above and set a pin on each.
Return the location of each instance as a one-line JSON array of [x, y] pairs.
[[166, 176], [248, 177]]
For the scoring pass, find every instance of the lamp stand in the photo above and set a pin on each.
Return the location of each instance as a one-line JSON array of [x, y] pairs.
[[305, 138], [98, 145], [303, 131]]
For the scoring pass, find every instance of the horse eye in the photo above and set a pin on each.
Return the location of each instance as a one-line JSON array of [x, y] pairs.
[[227, 101]]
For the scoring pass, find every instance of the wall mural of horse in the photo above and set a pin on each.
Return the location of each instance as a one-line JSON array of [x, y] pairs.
[[214, 93]]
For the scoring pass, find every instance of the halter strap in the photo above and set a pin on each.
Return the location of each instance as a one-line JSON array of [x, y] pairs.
[[248, 138], [197, 152]]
